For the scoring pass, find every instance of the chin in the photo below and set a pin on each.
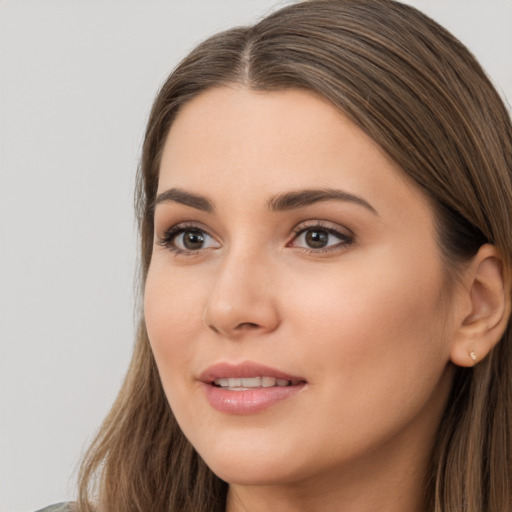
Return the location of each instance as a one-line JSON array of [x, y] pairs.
[[248, 474], [260, 465]]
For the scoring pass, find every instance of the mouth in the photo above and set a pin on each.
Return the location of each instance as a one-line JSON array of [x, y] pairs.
[[245, 383], [247, 375], [248, 387]]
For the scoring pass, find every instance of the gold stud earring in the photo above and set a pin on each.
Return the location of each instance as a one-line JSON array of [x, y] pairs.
[[473, 356]]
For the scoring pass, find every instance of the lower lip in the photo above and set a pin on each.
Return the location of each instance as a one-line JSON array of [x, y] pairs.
[[248, 401]]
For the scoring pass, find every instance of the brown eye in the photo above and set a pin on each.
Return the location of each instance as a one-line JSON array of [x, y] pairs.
[[316, 238], [320, 238], [187, 239], [192, 240]]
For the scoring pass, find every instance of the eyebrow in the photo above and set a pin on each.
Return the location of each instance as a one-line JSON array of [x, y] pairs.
[[302, 198], [282, 202], [176, 195]]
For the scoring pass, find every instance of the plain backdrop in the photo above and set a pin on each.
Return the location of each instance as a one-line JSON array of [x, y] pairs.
[[77, 81]]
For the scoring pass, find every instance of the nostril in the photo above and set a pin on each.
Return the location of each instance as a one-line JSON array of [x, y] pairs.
[[247, 325], [244, 326]]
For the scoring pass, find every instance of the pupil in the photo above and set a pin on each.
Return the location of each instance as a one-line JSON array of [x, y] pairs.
[[193, 240], [317, 239]]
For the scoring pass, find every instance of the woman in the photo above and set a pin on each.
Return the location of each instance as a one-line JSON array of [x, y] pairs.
[[324, 207]]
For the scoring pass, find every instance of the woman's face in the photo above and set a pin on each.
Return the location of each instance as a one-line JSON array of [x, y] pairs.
[[291, 252]]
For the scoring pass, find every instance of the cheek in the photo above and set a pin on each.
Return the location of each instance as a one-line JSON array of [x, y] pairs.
[[171, 311], [375, 361], [377, 336]]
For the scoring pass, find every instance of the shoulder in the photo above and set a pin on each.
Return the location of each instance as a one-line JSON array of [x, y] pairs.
[[59, 507]]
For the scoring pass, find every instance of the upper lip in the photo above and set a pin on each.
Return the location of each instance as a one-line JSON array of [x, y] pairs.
[[245, 369]]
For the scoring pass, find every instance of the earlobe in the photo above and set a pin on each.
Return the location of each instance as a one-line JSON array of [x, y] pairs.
[[488, 290]]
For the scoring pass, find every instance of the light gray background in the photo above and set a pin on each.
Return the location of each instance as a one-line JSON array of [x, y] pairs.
[[77, 80]]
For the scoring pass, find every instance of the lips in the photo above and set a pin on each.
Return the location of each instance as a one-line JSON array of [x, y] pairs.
[[246, 370], [241, 383], [248, 387]]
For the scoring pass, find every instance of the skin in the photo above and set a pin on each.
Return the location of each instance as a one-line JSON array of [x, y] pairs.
[[369, 322]]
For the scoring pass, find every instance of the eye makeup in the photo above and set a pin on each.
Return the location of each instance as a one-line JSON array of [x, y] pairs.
[[313, 237]]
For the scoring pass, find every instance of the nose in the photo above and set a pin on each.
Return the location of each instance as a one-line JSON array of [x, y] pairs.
[[242, 300]]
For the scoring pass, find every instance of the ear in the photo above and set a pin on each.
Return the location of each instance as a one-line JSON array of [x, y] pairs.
[[487, 289]]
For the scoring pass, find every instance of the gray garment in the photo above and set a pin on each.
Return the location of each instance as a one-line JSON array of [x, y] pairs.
[[59, 507]]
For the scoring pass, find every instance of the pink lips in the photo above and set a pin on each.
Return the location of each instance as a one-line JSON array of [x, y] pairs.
[[247, 401]]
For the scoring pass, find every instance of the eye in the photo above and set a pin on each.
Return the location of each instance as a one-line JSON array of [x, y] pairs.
[[320, 238], [187, 239]]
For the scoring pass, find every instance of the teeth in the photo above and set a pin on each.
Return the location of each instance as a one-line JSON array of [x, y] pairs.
[[254, 382], [268, 382], [235, 383], [251, 382]]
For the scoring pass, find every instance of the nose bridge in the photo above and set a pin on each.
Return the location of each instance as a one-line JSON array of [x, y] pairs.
[[241, 299]]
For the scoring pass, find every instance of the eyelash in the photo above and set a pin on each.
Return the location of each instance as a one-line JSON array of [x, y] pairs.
[[168, 238], [345, 240]]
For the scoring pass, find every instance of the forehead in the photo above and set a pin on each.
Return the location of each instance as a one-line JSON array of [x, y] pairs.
[[261, 143]]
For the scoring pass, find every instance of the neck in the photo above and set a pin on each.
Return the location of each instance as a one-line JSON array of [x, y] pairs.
[[383, 487]]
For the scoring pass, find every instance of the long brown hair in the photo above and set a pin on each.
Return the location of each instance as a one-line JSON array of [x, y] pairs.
[[420, 94]]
